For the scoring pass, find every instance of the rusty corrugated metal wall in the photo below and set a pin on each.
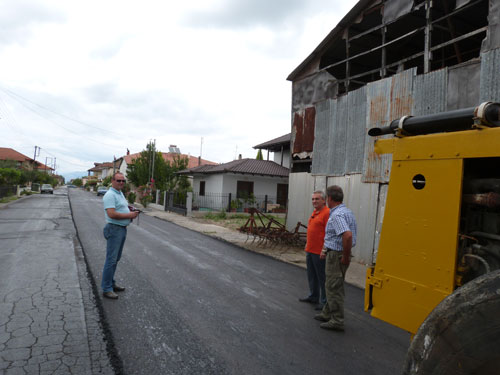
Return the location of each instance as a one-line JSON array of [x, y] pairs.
[[341, 144], [356, 127], [388, 99], [340, 135], [429, 92], [322, 136]]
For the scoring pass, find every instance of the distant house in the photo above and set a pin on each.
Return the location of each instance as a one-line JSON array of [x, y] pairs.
[[22, 161], [103, 170], [125, 161], [280, 147], [244, 179]]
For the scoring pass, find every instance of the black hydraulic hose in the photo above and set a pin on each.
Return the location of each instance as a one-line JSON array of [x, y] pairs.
[[460, 119]]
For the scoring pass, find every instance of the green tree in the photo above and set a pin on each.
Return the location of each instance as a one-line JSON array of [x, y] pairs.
[[9, 176], [8, 164], [77, 182], [259, 155], [176, 182], [139, 173], [107, 181]]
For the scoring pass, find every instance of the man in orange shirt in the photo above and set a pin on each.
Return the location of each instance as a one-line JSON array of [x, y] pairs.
[[314, 245]]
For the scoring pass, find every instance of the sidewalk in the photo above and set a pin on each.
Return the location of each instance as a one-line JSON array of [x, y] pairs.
[[295, 255], [49, 323]]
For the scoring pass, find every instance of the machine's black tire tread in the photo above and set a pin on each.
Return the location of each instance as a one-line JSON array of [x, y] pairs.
[[462, 334]]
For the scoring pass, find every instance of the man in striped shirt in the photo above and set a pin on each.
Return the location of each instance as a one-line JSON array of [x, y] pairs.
[[340, 237]]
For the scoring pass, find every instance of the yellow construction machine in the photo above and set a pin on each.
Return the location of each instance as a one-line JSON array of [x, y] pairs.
[[437, 271]]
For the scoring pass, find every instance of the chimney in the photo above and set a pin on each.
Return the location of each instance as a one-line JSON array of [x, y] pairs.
[[239, 157], [199, 160], [128, 152]]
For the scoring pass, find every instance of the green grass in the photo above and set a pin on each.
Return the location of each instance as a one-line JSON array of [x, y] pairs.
[[8, 199]]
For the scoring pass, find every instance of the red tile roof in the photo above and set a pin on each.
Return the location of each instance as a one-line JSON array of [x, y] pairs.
[[11, 154], [243, 166]]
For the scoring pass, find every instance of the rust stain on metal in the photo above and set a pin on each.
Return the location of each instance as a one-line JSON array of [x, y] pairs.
[[377, 110], [309, 123], [401, 99], [298, 126]]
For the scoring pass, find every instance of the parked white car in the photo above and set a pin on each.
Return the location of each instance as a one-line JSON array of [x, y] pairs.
[[46, 188]]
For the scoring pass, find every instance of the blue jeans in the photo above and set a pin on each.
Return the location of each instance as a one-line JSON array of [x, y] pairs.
[[316, 277], [115, 235]]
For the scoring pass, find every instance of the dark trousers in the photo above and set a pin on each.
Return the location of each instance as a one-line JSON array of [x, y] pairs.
[[316, 277]]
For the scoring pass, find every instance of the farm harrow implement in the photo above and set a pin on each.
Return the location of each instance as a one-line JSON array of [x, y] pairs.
[[269, 232]]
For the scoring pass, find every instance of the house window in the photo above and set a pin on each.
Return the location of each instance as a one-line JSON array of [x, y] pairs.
[[244, 189], [202, 188]]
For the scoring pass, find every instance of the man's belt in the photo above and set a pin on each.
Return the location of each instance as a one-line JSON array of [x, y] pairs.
[[328, 250]]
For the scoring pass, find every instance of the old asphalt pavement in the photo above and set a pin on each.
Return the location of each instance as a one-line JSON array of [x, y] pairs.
[[49, 318], [49, 321]]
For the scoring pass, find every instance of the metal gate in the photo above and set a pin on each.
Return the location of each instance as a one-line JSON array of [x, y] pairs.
[[176, 202]]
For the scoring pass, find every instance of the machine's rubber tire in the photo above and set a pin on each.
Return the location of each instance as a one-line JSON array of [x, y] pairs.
[[462, 334]]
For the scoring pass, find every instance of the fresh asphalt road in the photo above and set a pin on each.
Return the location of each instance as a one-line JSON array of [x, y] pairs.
[[196, 305]]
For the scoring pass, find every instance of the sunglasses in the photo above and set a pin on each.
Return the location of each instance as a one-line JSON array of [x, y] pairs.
[[120, 180]]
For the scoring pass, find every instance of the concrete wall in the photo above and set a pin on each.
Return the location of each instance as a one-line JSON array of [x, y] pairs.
[[262, 185], [300, 189], [213, 183], [226, 183]]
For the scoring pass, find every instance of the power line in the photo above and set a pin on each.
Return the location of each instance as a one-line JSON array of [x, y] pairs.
[[12, 93], [54, 123]]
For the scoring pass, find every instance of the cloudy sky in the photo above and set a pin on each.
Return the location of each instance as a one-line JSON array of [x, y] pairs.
[[85, 80]]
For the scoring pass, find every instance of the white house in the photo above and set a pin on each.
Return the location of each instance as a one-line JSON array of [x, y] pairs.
[[257, 182]]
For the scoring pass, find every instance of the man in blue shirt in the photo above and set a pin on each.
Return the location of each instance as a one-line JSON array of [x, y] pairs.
[[340, 237], [118, 216]]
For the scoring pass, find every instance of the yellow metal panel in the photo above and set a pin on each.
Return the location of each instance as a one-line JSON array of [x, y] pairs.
[[457, 145], [417, 251]]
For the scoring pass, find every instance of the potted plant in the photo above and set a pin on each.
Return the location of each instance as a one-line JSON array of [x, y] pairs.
[[236, 205]]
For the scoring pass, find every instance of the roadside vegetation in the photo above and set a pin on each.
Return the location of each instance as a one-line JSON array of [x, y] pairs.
[[234, 221], [11, 175], [8, 199]]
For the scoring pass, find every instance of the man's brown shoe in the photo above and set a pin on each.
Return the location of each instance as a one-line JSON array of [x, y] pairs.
[[110, 295], [321, 318], [117, 288], [332, 326]]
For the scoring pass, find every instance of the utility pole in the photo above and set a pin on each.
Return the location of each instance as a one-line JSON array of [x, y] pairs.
[[153, 163], [36, 154], [34, 163]]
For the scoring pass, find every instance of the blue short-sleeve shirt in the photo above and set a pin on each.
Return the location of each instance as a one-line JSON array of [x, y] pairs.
[[115, 199]]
